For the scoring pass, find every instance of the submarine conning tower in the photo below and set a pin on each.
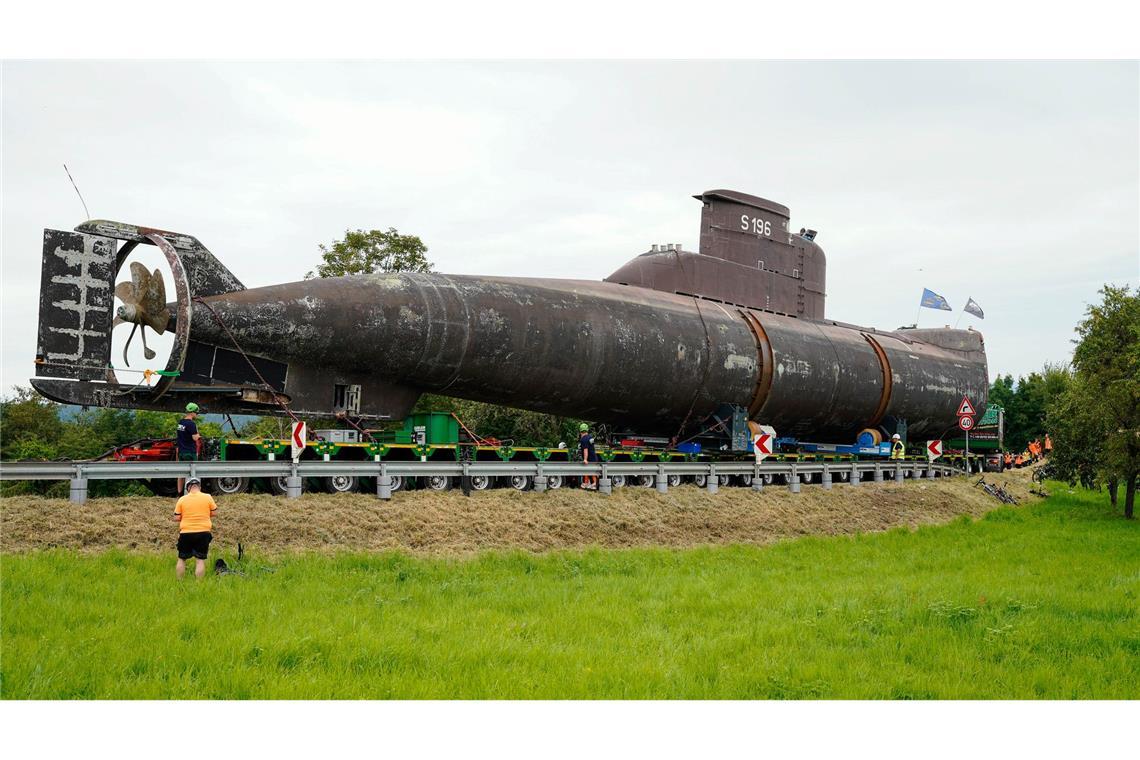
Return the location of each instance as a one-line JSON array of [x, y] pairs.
[[748, 257]]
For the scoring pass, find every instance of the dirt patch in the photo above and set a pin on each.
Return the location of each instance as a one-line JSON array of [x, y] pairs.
[[425, 522]]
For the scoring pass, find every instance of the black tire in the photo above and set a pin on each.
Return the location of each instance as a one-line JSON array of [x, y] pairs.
[[554, 482], [481, 482], [277, 486], [700, 481], [768, 478], [438, 483], [724, 480], [617, 481], [228, 485], [673, 480], [341, 484], [842, 475], [644, 481], [521, 482], [165, 488], [745, 480]]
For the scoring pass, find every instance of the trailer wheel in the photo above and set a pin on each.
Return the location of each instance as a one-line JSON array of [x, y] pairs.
[[480, 482], [805, 477], [228, 486], [553, 481], [673, 480], [745, 480], [645, 481], [522, 482], [842, 476], [700, 481], [340, 483], [278, 487], [438, 483], [768, 478], [165, 488], [617, 481]]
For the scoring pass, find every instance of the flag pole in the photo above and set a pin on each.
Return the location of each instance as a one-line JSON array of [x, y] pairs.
[[959, 321]]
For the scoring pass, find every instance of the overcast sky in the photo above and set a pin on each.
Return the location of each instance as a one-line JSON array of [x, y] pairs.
[[1015, 183]]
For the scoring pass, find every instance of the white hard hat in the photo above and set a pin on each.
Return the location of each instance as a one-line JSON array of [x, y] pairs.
[[896, 437]]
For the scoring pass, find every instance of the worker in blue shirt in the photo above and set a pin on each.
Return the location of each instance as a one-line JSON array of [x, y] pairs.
[[589, 456], [187, 438]]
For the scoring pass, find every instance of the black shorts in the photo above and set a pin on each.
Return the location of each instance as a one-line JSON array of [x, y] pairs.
[[187, 456], [194, 545]]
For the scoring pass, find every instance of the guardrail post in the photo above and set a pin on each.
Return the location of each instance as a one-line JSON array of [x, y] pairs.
[[293, 484], [878, 476], [898, 471], [757, 478], [826, 479], [539, 479], [384, 484], [856, 477], [794, 479], [605, 485], [712, 485], [662, 479], [78, 488]]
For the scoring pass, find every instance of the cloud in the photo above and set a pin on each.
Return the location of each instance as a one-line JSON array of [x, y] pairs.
[[1014, 183]]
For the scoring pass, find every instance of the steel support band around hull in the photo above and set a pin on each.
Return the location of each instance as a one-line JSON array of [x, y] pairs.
[[826, 379]]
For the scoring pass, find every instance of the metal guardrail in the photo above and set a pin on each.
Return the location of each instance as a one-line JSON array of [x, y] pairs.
[[825, 473]]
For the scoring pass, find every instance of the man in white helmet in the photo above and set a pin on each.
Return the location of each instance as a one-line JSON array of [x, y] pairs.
[[195, 514], [898, 450]]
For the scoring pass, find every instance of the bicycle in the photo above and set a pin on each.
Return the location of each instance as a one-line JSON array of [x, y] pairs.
[[996, 491]]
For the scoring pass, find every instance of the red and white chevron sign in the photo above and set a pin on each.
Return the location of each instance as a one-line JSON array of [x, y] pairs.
[[299, 441], [762, 445], [933, 449]]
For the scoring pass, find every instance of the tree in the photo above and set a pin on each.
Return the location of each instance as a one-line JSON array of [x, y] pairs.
[[1100, 412], [30, 426], [373, 251]]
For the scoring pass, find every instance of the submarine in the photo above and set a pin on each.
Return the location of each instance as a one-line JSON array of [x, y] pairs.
[[668, 345]]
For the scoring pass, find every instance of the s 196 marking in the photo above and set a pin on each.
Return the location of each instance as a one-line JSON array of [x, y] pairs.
[[755, 224]]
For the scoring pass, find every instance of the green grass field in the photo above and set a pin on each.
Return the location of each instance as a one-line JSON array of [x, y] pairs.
[[1032, 602]]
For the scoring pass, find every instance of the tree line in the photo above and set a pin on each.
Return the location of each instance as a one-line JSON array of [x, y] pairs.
[[1090, 408]]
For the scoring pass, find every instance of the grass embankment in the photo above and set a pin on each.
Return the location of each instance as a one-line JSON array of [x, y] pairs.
[[432, 523], [1030, 602]]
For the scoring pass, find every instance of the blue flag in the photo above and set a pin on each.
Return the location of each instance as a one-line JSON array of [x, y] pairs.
[[932, 300]]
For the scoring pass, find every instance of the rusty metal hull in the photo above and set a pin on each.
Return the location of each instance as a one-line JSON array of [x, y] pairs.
[[631, 356], [669, 339]]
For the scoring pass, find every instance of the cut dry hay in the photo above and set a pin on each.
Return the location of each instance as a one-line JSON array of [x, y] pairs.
[[448, 523]]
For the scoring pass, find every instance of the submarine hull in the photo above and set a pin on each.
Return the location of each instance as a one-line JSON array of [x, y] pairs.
[[637, 358]]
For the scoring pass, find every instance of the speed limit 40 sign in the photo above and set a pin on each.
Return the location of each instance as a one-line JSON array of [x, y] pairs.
[[966, 423]]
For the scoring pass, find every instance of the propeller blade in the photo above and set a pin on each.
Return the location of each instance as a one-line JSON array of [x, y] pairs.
[[139, 276], [146, 349], [125, 292], [159, 289], [159, 321], [128, 344]]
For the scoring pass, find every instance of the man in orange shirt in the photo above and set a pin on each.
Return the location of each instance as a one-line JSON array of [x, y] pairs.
[[194, 514]]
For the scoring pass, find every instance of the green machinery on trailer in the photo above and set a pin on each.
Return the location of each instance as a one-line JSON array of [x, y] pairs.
[[438, 436]]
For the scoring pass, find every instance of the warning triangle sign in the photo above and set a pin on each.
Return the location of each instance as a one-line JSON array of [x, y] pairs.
[[966, 408]]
